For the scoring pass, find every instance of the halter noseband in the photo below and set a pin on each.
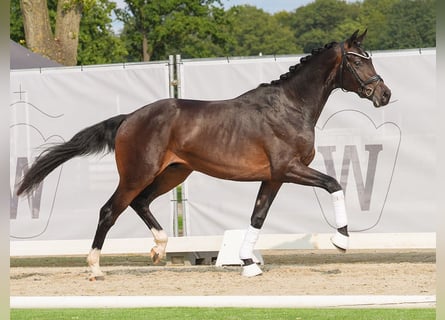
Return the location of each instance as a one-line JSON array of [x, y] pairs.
[[363, 90]]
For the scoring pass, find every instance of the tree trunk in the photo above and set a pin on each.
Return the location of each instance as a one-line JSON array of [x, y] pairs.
[[146, 56], [67, 29], [38, 34]]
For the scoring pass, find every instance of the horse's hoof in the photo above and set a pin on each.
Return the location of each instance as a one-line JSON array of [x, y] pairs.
[[341, 250], [155, 256], [251, 270], [96, 278], [340, 241]]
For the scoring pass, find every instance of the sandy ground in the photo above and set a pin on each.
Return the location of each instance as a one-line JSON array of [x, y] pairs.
[[296, 272]]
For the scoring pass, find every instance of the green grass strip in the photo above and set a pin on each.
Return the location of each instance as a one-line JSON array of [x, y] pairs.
[[223, 314]]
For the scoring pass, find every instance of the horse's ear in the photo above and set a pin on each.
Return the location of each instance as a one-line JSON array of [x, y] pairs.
[[355, 39], [352, 39], [360, 38]]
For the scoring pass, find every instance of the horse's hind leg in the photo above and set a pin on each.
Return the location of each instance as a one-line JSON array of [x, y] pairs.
[[109, 213], [167, 180]]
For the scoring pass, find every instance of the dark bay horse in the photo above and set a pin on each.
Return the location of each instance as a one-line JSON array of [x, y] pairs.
[[266, 134]]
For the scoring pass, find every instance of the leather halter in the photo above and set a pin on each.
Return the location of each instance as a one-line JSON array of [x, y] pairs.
[[363, 91]]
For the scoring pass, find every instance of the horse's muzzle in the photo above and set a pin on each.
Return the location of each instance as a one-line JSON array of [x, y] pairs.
[[381, 95]]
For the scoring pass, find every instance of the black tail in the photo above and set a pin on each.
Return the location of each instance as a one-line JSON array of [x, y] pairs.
[[94, 139]]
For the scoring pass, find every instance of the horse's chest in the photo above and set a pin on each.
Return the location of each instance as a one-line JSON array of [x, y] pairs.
[[298, 146]]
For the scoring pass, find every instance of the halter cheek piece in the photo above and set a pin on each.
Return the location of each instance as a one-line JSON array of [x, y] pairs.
[[363, 91]]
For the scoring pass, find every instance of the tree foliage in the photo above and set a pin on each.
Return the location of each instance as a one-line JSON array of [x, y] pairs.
[[391, 24], [97, 42], [410, 24], [16, 30], [319, 22], [154, 29], [257, 32]]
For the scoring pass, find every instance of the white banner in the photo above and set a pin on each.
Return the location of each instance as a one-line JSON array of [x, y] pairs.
[[384, 158], [51, 105]]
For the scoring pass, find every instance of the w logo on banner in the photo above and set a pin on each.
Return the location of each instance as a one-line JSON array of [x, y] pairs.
[[361, 156], [34, 199], [30, 216], [364, 186]]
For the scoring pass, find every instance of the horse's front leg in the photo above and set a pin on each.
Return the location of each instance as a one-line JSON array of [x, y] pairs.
[[266, 195], [302, 174], [341, 238]]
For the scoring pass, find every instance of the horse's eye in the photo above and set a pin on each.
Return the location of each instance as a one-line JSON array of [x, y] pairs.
[[357, 63]]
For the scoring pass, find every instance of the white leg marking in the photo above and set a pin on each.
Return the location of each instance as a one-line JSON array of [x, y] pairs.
[[251, 270], [338, 199], [246, 252], [250, 239], [161, 239], [93, 263], [340, 240]]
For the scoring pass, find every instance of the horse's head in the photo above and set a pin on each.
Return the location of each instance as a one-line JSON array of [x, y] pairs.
[[357, 72]]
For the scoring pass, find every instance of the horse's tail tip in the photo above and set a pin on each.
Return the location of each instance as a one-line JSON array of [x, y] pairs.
[[23, 189], [20, 191]]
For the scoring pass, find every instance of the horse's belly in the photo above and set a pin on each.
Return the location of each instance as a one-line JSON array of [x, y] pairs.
[[231, 166], [256, 173]]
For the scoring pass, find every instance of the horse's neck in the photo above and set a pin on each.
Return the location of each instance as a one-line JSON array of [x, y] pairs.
[[310, 89]]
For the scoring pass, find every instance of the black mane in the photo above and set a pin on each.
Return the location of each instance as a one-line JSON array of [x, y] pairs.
[[294, 69]]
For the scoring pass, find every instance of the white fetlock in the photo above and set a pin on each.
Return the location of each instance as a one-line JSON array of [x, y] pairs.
[[340, 241], [251, 270], [93, 263], [157, 253]]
